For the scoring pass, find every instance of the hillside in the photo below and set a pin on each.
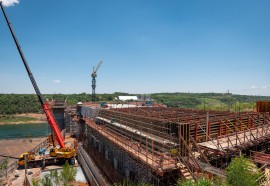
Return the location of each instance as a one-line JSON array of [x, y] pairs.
[[209, 101]]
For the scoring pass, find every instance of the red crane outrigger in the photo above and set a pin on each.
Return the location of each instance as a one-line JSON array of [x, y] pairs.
[[45, 106]]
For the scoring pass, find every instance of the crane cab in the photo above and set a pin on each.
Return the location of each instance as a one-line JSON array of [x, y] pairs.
[[29, 157]]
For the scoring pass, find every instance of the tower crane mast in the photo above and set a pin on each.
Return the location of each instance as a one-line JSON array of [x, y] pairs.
[[94, 75]]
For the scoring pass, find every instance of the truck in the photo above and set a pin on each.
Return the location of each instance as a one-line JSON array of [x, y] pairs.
[[58, 156]]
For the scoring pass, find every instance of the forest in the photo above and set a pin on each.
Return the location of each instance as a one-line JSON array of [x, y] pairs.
[[209, 101], [28, 103]]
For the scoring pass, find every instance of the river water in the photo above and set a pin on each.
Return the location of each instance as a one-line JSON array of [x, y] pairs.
[[11, 131]]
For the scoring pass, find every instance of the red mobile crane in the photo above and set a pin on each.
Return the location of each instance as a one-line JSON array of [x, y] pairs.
[[68, 152]]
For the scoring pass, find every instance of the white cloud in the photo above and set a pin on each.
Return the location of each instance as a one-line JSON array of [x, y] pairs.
[[265, 87], [57, 81], [253, 87], [9, 2]]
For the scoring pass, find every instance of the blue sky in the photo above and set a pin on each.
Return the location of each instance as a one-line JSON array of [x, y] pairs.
[[147, 46]]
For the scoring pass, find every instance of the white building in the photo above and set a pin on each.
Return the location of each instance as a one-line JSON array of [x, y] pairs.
[[125, 98]]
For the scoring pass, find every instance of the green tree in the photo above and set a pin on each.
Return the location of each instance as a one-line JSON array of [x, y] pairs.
[[66, 177], [46, 180], [4, 165], [35, 181], [55, 176], [241, 171], [68, 174]]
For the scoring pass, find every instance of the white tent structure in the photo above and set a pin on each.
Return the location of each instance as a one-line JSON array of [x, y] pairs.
[[126, 98]]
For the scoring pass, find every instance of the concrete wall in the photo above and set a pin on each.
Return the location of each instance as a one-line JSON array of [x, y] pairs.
[[89, 112], [122, 163], [91, 171], [59, 115]]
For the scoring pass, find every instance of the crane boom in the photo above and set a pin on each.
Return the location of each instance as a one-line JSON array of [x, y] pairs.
[[97, 67], [45, 106]]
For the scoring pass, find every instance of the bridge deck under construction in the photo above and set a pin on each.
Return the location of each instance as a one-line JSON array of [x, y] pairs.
[[135, 150], [237, 139], [168, 139]]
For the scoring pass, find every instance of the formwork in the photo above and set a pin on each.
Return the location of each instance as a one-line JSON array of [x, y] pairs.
[[165, 144], [263, 106]]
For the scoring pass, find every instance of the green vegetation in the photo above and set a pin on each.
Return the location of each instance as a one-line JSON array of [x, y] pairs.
[[54, 175], [65, 178], [46, 180], [209, 101], [4, 165], [28, 103], [241, 171], [18, 103], [35, 181], [68, 174], [10, 118]]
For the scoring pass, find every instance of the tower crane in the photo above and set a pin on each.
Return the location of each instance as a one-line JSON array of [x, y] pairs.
[[94, 75]]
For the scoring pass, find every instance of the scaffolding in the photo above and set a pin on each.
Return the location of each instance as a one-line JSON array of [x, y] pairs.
[[172, 142]]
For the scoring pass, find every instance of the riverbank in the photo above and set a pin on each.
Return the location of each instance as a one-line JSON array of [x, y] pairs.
[[31, 118]]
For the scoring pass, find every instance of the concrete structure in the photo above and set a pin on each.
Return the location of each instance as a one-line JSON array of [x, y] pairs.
[[58, 109], [160, 145], [91, 171]]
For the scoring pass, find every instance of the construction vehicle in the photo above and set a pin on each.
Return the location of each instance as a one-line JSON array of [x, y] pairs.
[[63, 153], [55, 156]]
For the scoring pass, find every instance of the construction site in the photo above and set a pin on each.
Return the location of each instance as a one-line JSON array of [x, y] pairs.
[[136, 140], [160, 145]]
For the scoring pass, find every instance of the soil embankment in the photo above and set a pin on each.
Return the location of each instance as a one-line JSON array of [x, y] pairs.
[[28, 118]]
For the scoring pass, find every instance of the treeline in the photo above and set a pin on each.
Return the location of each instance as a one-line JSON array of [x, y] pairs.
[[19, 103], [28, 103], [209, 101]]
